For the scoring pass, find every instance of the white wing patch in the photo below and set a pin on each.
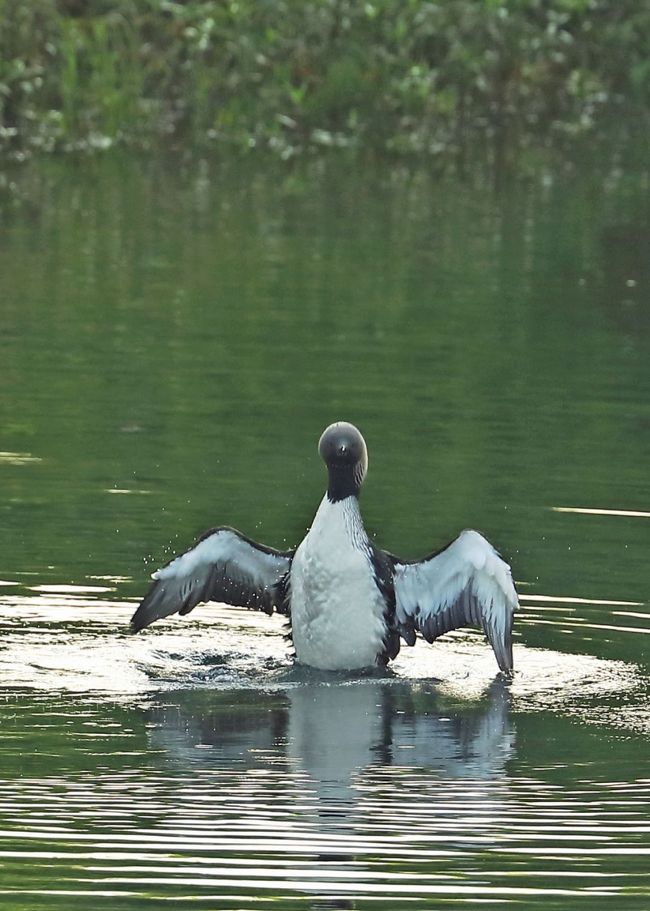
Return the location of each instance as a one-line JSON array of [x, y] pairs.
[[222, 566], [466, 584], [223, 547]]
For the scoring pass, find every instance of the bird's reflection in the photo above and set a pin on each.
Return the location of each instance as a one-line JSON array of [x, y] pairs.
[[333, 736], [333, 731]]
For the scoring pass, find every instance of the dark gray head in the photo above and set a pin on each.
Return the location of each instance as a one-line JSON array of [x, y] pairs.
[[343, 450]]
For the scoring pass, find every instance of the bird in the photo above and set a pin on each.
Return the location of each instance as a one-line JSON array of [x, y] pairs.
[[350, 605]]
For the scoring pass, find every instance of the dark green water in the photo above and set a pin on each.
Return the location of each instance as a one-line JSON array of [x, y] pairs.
[[173, 339]]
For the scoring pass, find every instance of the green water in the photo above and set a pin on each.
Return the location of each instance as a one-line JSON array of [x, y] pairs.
[[173, 339]]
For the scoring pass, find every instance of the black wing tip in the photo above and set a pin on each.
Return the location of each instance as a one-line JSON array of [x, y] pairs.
[[503, 654], [138, 621], [146, 614], [507, 669]]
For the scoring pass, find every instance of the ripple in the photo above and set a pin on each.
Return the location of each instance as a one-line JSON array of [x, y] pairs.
[[196, 764], [18, 458], [64, 638], [399, 834], [69, 589], [634, 513]]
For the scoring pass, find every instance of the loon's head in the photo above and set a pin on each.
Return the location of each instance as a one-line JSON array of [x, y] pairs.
[[343, 450]]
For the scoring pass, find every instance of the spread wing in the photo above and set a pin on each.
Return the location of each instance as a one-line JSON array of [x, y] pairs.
[[466, 584], [222, 566]]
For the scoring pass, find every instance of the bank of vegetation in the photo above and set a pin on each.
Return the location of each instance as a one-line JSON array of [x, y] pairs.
[[404, 76]]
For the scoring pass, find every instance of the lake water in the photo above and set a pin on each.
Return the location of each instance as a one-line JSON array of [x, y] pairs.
[[173, 339]]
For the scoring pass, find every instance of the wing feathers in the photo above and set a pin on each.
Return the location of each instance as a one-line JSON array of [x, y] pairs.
[[465, 584], [222, 566]]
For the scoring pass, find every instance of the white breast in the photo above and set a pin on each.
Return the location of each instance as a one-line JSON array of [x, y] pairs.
[[337, 611]]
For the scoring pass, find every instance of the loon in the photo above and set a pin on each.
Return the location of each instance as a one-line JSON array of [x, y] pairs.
[[349, 604]]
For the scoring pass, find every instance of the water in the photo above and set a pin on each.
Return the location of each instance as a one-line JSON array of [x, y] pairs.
[[173, 338]]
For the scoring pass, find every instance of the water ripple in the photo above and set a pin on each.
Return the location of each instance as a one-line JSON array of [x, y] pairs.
[[195, 764]]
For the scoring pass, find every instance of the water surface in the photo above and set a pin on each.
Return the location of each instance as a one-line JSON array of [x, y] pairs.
[[173, 339]]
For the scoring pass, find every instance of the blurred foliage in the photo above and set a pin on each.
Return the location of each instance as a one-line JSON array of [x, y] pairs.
[[401, 75]]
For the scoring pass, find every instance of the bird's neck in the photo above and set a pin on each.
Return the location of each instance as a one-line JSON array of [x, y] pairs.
[[339, 521], [343, 481]]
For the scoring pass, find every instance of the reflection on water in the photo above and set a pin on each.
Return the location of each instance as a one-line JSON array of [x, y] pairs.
[[173, 339], [334, 731], [63, 638], [603, 512], [198, 764]]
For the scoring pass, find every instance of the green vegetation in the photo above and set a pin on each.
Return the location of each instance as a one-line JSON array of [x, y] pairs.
[[399, 75]]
